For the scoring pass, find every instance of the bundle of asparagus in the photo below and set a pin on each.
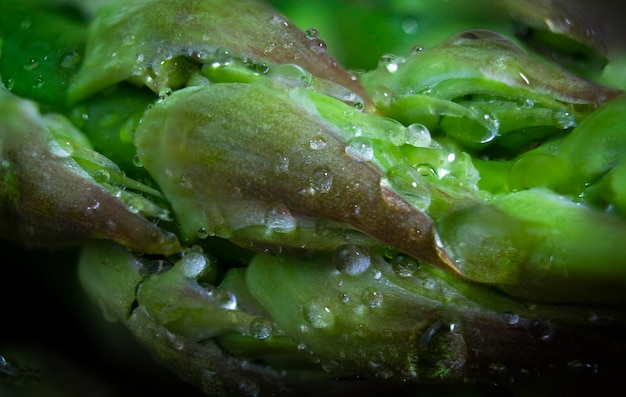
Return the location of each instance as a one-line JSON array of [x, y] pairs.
[[266, 210]]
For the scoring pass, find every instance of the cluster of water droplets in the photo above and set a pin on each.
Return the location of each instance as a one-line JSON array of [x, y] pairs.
[[316, 44]]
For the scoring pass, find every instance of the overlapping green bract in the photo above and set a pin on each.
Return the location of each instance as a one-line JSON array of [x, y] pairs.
[[56, 191], [141, 41]]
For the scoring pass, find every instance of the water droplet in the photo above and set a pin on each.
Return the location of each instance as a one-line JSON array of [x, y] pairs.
[[280, 220], [416, 49], [93, 205], [359, 106], [70, 60], [404, 265], [261, 67], [318, 46], [410, 184], [278, 20], [227, 300], [565, 120], [61, 148], [351, 259], [318, 315], [344, 297], [317, 143], [354, 209], [409, 26], [31, 64], [418, 135], [222, 57], [101, 176], [164, 93], [287, 45], [311, 33], [511, 318], [137, 161], [129, 39], [426, 170], [321, 182], [269, 47], [390, 62], [193, 264], [294, 73], [39, 82], [202, 233], [260, 328], [282, 164], [373, 298], [360, 149], [542, 329]]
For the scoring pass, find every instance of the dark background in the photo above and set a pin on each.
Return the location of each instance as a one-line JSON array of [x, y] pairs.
[[51, 336]]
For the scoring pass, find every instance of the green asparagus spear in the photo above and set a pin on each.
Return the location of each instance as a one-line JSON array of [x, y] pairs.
[[55, 190]]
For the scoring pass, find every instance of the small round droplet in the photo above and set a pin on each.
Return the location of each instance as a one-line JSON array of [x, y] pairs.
[[320, 182], [31, 64], [317, 45], [409, 26], [351, 259], [418, 135], [202, 233], [426, 170], [373, 298], [193, 264], [360, 149], [311, 33], [282, 163], [39, 82], [416, 49], [344, 297], [318, 315], [390, 62], [137, 161], [279, 219], [511, 318], [260, 328], [404, 265], [165, 93], [102, 176], [70, 60]]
